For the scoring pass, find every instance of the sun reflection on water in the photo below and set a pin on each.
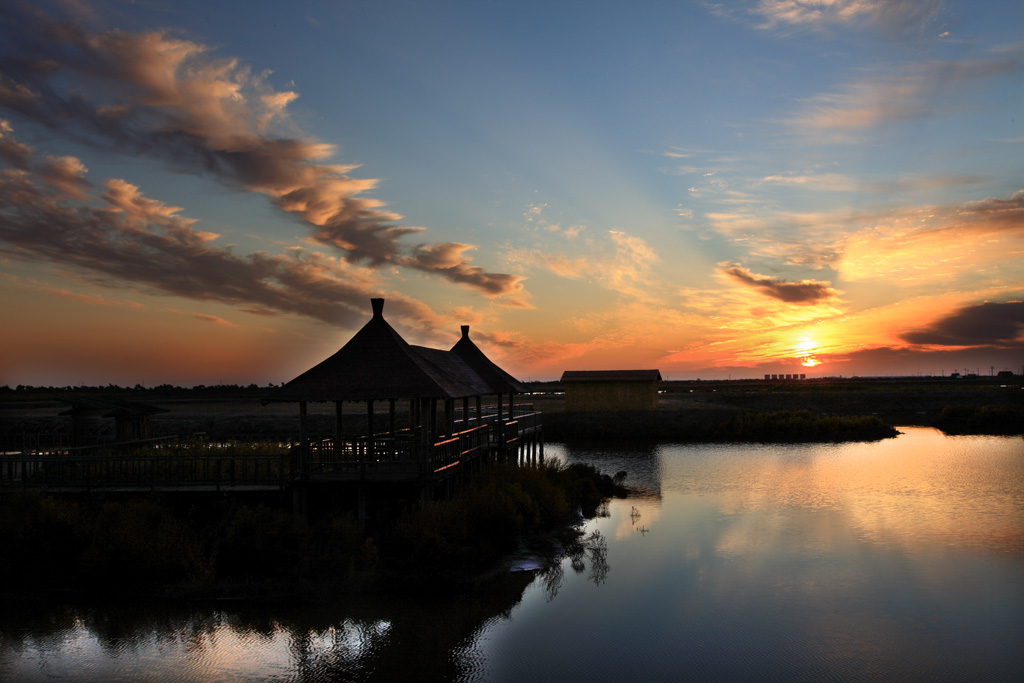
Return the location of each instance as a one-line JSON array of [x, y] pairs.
[[912, 490]]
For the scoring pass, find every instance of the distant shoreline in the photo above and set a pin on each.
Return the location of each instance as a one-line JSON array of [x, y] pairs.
[[690, 411]]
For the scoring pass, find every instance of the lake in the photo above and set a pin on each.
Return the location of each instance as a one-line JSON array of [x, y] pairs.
[[896, 560]]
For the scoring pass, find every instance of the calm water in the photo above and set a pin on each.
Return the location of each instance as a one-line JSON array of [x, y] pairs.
[[899, 560]]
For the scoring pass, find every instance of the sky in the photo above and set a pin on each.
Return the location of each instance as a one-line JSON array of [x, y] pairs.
[[212, 192]]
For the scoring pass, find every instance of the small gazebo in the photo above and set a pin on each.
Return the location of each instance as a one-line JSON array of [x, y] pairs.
[[131, 418]]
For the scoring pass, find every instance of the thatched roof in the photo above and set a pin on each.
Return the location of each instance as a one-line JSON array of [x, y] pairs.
[[378, 364], [611, 376], [499, 381]]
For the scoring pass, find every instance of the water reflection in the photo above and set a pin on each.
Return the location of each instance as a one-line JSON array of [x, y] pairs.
[[902, 559], [897, 560], [588, 551], [922, 488], [383, 638]]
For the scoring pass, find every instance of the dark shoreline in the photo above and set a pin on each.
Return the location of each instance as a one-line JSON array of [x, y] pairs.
[[147, 547]]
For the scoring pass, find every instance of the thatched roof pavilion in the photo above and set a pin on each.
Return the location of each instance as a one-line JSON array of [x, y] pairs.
[[377, 364]]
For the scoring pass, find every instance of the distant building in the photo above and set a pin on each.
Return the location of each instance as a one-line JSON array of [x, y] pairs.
[[89, 415], [611, 389]]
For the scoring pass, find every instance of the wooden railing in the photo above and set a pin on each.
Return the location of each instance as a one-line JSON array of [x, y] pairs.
[[163, 465], [399, 453], [87, 472], [460, 447]]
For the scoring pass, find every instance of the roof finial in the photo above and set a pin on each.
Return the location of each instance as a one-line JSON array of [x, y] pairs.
[[378, 307], [465, 331]]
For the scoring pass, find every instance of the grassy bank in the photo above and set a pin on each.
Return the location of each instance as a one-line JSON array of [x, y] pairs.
[[681, 426], [961, 419], [153, 547]]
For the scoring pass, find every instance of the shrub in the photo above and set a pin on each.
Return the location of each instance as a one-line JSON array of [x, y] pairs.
[[41, 537], [262, 542], [135, 542], [998, 419]]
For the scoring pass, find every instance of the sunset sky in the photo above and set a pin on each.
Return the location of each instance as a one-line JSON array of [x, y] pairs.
[[211, 192]]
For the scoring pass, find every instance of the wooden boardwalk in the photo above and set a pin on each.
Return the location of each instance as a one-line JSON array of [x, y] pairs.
[[384, 458]]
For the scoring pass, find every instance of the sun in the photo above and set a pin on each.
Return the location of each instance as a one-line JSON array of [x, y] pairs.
[[805, 350], [805, 346]]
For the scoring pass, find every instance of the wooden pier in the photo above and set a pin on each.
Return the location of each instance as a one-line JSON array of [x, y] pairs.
[[327, 465]]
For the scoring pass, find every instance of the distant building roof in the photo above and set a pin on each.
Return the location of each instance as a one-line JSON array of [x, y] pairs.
[[377, 363], [611, 376]]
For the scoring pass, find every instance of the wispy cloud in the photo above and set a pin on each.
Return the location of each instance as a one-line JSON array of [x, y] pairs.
[[833, 182], [622, 263], [976, 244], [448, 260], [912, 93], [89, 298], [171, 98], [205, 317], [886, 15]]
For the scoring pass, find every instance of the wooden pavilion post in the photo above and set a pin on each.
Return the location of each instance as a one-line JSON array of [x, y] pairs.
[[449, 416], [479, 410], [303, 459], [422, 411], [465, 413], [338, 429], [300, 492], [369, 428], [433, 420]]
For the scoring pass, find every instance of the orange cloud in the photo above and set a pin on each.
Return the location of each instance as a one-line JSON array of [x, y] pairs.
[[938, 243], [209, 116]]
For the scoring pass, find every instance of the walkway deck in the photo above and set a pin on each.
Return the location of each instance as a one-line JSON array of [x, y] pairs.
[[386, 458]]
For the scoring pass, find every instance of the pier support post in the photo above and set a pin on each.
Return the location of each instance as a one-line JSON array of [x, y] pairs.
[[361, 504], [300, 500], [303, 459], [338, 428]]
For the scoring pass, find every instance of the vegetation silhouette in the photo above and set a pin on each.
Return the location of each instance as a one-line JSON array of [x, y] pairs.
[[175, 546]]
